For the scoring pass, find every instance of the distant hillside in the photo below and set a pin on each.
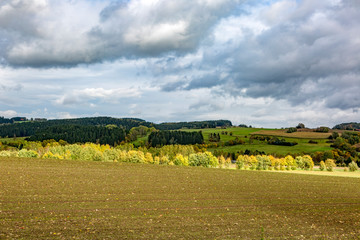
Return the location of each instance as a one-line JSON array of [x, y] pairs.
[[347, 126], [193, 125]]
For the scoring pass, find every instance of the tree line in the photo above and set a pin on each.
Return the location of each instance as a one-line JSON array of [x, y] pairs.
[[9, 128], [193, 125], [26, 129]]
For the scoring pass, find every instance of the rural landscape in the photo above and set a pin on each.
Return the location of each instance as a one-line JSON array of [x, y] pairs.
[[178, 119], [102, 177]]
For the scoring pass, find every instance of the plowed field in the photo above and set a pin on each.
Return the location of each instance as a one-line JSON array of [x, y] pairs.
[[53, 199]]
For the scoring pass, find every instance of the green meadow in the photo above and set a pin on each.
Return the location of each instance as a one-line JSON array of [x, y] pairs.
[[303, 146]]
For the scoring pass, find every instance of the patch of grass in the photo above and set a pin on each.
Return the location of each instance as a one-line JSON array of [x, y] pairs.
[[302, 138], [141, 140], [237, 132], [275, 149], [57, 199], [299, 134]]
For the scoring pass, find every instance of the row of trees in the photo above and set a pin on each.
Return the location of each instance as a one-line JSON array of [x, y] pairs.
[[27, 129], [182, 155], [193, 125], [214, 137], [6, 120], [187, 155], [272, 140], [265, 162]]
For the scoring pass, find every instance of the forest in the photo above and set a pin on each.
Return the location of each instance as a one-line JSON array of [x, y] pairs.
[[193, 125], [9, 128], [161, 138], [111, 135]]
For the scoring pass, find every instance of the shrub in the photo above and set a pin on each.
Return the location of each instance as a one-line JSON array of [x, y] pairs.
[[52, 156], [240, 162], [263, 162], [156, 160], [149, 158], [221, 161], [135, 157], [205, 159], [8, 153], [353, 166], [28, 153], [181, 160], [330, 164], [110, 155], [305, 162], [227, 162], [291, 130], [322, 166], [91, 154], [308, 162], [290, 163], [322, 129]]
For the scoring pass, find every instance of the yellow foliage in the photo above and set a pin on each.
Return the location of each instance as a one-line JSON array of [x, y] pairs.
[[149, 158]]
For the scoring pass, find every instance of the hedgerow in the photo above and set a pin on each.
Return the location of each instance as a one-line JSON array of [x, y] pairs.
[[167, 155], [264, 162]]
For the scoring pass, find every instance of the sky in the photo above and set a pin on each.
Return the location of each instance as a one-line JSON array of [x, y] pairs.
[[265, 63]]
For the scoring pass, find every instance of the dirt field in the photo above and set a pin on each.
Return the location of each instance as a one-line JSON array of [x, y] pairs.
[[52, 199]]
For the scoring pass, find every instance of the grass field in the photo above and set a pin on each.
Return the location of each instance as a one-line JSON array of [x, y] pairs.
[[302, 138], [299, 134], [277, 150], [53, 199]]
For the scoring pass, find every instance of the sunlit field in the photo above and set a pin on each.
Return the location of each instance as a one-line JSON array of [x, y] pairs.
[[64, 199]]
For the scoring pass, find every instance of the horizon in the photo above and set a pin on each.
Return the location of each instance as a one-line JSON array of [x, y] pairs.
[[205, 120], [268, 63]]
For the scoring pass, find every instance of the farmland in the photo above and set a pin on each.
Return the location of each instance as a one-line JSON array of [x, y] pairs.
[[301, 138], [63, 199]]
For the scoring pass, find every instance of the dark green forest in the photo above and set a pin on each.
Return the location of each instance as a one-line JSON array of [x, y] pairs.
[[9, 128], [30, 128], [81, 134], [193, 125], [161, 138]]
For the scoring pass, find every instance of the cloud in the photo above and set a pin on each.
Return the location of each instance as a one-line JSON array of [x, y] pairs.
[[255, 62], [16, 87], [97, 94], [97, 33], [8, 114], [282, 51]]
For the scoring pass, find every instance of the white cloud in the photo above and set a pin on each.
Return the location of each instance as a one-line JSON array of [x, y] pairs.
[[8, 113], [90, 31], [263, 63], [105, 95]]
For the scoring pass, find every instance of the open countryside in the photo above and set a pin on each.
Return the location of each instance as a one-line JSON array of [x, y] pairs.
[[58, 199], [201, 180], [178, 119]]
